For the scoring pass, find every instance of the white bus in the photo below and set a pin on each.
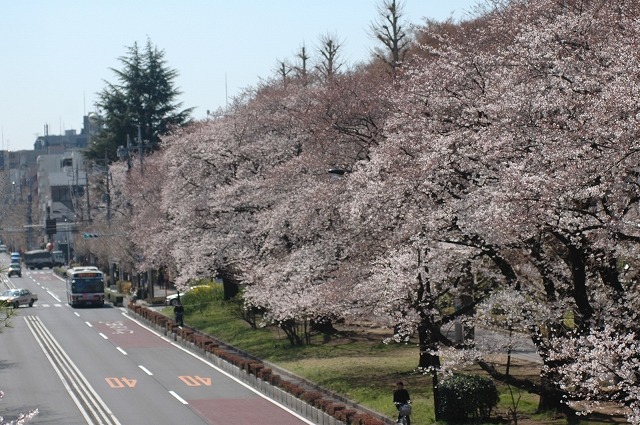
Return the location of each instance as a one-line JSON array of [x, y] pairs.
[[85, 285]]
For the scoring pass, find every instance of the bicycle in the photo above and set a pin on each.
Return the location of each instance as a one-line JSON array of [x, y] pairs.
[[404, 411]]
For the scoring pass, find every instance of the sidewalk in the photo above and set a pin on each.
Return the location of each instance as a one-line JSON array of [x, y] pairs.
[[158, 292]]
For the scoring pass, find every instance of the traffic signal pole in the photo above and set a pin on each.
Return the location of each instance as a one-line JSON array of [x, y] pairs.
[[50, 226]]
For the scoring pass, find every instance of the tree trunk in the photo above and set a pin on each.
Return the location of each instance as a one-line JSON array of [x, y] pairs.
[[552, 400], [428, 342]]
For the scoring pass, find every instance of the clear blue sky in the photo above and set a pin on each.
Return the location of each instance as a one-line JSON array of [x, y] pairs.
[[57, 54]]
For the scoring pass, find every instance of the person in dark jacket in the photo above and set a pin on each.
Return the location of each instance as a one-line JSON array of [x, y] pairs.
[[400, 398], [178, 310]]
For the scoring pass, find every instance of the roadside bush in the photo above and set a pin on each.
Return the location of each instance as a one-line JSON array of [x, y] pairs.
[[467, 396], [365, 419], [311, 396], [345, 415], [292, 388]]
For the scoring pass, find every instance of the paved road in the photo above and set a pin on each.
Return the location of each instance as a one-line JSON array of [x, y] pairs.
[[521, 345], [99, 366]]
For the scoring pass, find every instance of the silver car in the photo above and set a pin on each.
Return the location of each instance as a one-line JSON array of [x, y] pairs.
[[18, 297]]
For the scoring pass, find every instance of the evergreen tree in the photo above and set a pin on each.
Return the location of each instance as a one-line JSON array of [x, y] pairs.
[[144, 97]]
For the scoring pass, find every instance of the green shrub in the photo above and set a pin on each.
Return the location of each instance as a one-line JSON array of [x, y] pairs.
[[123, 286], [200, 298], [156, 301], [465, 396]]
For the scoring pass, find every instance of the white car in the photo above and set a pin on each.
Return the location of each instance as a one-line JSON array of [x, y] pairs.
[[14, 270], [172, 299]]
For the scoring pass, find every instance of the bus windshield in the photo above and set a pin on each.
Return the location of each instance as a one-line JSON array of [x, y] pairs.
[[87, 285]]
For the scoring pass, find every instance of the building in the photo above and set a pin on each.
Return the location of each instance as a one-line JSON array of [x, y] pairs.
[[62, 180], [70, 140], [50, 180]]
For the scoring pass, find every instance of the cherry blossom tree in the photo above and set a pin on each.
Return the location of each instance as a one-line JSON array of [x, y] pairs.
[[492, 182], [507, 143], [142, 187], [250, 188]]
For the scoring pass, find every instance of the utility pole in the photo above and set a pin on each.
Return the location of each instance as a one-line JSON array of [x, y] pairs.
[[106, 165], [50, 225], [29, 218], [86, 189], [124, 152], [140, 150]]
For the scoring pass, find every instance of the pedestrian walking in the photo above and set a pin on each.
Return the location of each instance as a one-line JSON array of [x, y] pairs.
[[178, 311]]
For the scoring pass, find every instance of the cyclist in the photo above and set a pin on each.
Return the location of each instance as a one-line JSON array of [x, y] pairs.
[[401, 398]]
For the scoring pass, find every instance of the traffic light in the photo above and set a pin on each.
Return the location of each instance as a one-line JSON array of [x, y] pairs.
[[89, 235], [50, 226]]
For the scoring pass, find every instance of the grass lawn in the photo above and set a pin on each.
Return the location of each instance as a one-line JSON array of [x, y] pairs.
[[356, 364]]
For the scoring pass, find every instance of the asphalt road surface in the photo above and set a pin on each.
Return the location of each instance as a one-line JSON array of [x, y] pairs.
[[99, 366]]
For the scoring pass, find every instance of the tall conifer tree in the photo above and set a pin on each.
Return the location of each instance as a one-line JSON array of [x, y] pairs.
[[145, 96]]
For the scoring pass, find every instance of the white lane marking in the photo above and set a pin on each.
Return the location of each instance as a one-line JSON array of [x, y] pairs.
[[121, 350], [180, 399], [53, 295], [103, 335], [73, 380], [147, 371], [208, 363], [89, 324]]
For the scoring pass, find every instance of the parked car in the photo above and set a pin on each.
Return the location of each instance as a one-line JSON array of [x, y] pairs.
[[3, 248], [172, 299], [17, 297], [15, 257], [15, 269]]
